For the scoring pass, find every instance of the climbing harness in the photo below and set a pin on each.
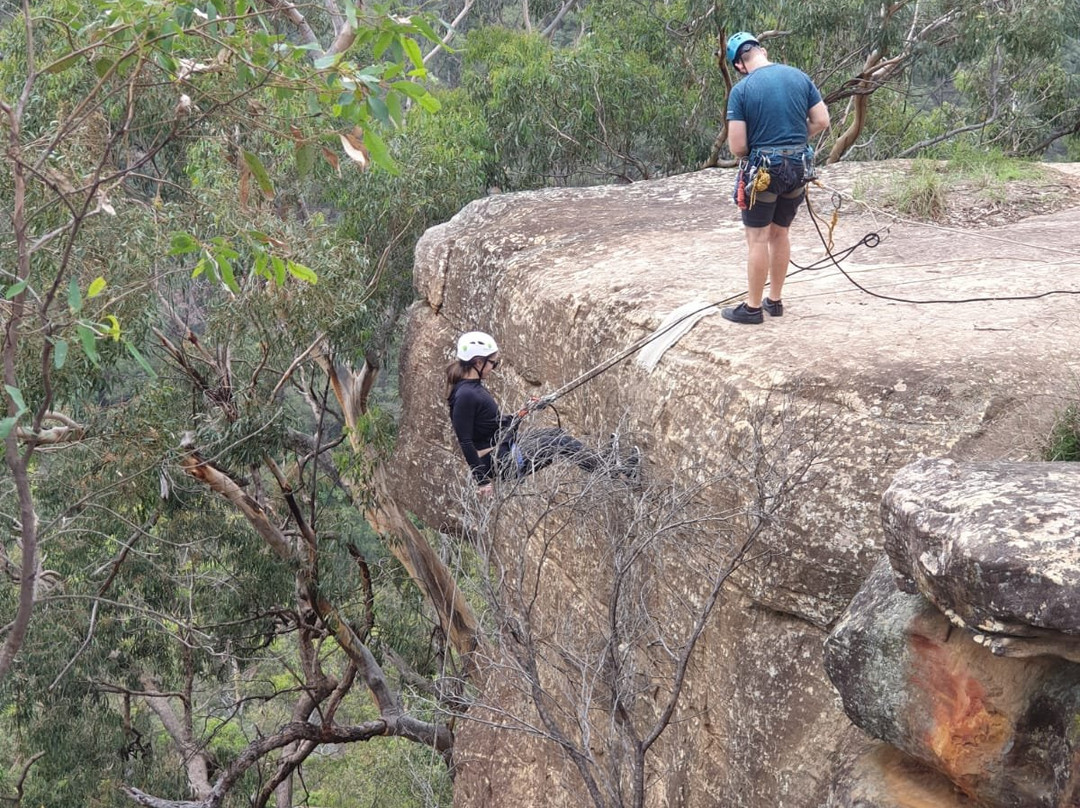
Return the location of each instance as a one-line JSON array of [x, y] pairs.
[[784, 172], [760, 179]]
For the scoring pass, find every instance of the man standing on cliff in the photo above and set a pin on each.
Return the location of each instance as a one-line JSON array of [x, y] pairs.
[[772, 114]]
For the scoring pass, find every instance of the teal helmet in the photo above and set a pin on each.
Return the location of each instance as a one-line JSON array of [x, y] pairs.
[[737, 41]]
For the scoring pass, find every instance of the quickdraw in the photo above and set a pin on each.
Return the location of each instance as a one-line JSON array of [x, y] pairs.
[[751, 179]]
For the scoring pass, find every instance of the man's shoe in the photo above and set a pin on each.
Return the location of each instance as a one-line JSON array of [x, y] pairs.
[[775, 308], [743, 314]]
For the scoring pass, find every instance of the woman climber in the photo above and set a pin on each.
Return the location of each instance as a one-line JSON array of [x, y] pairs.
[[491, 442]]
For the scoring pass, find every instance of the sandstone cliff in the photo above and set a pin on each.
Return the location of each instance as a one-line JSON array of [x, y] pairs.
[[566, 278]]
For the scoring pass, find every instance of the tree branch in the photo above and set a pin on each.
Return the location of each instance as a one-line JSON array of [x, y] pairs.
[[195, 760], [293, 15], [450, 31], [390, 520], [193, 464]]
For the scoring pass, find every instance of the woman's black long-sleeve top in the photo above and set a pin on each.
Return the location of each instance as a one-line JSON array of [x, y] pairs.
[[477, 424]]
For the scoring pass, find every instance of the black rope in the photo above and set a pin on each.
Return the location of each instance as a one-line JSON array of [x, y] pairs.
[[835, 260], [869, 240]]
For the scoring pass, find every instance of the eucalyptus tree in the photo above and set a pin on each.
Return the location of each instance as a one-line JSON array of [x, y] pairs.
[[599, 91], [905, 76], [190, 433]]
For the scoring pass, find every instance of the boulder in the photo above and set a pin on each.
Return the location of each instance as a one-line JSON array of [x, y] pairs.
[[1004, 731], [871, 774], [996, 546], [567, 278]]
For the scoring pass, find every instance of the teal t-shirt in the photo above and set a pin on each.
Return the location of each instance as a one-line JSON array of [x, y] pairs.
[[774, 101]]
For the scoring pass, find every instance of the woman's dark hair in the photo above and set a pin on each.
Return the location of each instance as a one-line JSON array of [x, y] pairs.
[[455, 372]]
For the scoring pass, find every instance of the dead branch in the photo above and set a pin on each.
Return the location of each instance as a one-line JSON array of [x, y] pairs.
[[195, 759], [553, 26], [450, 31], [290, 733]]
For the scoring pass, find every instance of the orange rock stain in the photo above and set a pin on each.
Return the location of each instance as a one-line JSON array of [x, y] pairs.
[[966, 733]]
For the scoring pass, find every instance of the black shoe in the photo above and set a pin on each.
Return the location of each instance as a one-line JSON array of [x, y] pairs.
[[775, 308], [743, 314], [630, 466]]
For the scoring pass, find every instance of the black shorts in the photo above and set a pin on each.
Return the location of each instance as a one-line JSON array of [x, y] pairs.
[[770, 208]]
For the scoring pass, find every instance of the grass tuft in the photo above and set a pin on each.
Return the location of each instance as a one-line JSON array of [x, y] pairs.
[[1064, 440]]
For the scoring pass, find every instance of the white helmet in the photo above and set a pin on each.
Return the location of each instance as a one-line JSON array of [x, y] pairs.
[[474, 344]]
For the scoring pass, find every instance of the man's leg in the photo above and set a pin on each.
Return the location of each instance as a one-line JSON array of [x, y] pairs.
[[757, 222], [779, 258], [780, 241], [758, 263]]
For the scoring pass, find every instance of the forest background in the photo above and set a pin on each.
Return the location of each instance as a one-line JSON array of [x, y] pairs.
[[208, 595]]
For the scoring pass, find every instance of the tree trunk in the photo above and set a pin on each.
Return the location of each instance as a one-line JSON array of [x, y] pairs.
[[392, 522]]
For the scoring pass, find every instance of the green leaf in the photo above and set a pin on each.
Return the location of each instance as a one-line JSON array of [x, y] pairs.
[[166, 63], [305, 159], [16, 396], [393, 103], [430, 102], [350, 13], [261, 177], [376, 147], [96, 287], [60, 352], [412, 50], [140, 359], [183, 243], [418, 94], [74, 298], [6, 425], [223, 249], [421, 25], [102, 67], [279, 270], [88, 341], [384, 41], [227, 276], [302, 272], [14, 289], [328, 61], [201, 267], [379, 109], [60, 65]]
